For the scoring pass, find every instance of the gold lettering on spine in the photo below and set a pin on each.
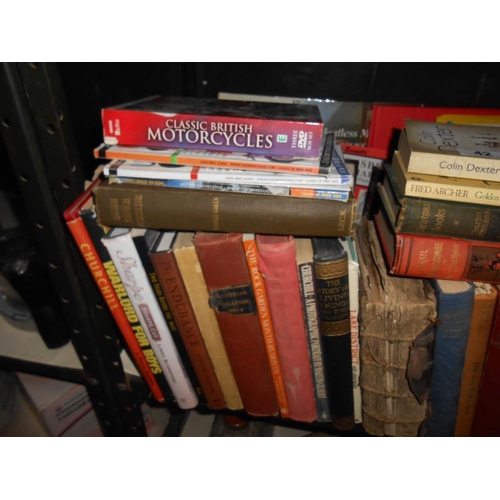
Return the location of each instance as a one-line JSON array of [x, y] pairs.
[[139, 210], [215, 213]]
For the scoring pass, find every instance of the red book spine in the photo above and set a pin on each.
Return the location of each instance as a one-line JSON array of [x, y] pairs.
[[277, 264], [173, 287], [486, 421], [224, 267]]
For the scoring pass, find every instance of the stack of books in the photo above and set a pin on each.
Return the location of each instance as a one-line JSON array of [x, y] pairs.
[[439, 219], [219, 235]]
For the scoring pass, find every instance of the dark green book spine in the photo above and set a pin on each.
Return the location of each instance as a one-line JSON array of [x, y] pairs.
[[332, 285]]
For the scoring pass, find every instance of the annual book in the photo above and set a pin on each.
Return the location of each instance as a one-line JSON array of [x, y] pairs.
[[277, 263], [305, 265], [81, 221], [437, 187], [486, 422], [196, 287], [127, 261], [266, 323], [396, 320], [170, 280], [331, 274], [423, 256], [157, 207], [451, 150], [223, 263], [220, 125], [485, 297], [420, 215], [455, 300]]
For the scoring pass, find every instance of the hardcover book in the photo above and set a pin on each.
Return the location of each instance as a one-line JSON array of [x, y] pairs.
[[305, 265], [485, 298], [455, 300], [278, 266], [396, 316], [259, 290], [331, 274], [128, 264], [437, 187], [224, 267], [170, 280], [192, 276], [81, 221], [486, 422], [451, 150], [415, 215], [422, 256], [157, 207], [219, 125]]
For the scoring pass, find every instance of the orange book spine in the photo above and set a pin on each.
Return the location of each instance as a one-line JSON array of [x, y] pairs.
[[266, 324], [477, 345], [93, 262]]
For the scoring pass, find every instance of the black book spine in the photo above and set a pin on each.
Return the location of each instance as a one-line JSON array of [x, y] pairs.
[[332, 284]]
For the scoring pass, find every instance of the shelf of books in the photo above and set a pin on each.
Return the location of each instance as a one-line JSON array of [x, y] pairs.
[[258, 262]]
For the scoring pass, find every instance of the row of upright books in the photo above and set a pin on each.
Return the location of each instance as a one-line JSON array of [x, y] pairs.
[[230, 262], [242, 274]]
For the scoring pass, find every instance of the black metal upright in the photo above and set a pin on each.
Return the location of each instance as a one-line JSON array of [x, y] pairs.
[[40, 143]]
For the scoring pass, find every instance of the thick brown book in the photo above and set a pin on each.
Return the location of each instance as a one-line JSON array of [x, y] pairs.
[[485, 298], [394, 313], [159, 207], [223, 262], [170, 280]]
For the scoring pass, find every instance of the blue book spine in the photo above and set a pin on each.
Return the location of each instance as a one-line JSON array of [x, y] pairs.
[[452, 332]]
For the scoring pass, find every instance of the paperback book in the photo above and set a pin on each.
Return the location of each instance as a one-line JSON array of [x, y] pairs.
[[220, 125]]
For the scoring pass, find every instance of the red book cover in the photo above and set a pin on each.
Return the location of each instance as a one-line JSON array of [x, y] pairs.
[[262, 128], [486, 421], [386, 119], [422, 256], [277, 263], [224, 267], [136, 341]]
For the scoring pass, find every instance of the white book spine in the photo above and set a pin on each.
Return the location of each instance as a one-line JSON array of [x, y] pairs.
[[128, 264]]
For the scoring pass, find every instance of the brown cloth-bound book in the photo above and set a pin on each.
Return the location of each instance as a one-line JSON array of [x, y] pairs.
[[223, 262], [160, 207]]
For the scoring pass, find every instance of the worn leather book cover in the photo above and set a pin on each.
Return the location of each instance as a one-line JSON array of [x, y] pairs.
[[394, 314], [167, 208], [278, 265], [224, 266]]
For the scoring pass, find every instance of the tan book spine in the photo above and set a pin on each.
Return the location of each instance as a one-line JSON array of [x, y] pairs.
[[479, 333], [191, 272]]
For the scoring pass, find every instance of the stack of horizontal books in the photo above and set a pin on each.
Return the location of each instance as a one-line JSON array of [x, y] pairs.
[[439, 218], [219, 236]]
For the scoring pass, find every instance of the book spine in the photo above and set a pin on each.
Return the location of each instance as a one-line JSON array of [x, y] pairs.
[[485, 194], [441, 218], [452, 331], [134, 278], [192, 276], [277, 263], [486, 422], [475, 356], [142, 246], [308, 293], [271, 137], [224, 267], [332, 283], [171, 282], [121, 309], [128, 205], [266, 324], [446, 258]]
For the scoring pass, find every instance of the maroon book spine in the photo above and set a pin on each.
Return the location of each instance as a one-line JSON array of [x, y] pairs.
[[486, 421], [224, 267], [277, 264]]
